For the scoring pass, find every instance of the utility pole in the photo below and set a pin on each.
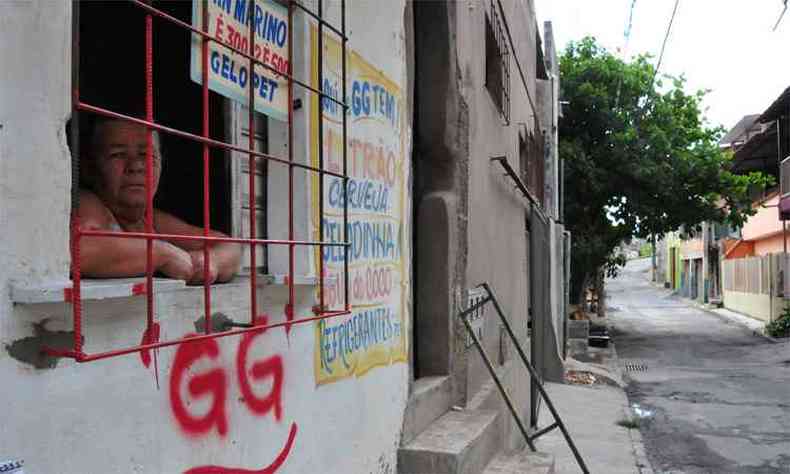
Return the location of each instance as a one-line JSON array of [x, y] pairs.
[[653, 256]]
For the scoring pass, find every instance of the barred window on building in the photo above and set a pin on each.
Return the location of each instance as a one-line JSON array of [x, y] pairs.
[[170, 154], [532, 163], [497, 79]]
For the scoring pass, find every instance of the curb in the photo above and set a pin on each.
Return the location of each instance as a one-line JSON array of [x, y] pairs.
[[643, 465], [638, 446], [732, 321], [721, 317]]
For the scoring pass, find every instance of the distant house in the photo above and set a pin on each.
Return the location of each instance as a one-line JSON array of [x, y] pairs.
[[743, 269], [741, 132], [754, 262]]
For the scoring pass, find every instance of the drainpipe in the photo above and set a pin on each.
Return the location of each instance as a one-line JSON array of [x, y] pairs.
[[784, 222], [784, 258], [770, 289]]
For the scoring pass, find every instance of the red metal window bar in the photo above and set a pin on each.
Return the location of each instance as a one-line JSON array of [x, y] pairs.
[[255, 323]]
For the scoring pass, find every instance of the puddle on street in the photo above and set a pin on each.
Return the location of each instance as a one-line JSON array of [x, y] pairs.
[[642, 412]]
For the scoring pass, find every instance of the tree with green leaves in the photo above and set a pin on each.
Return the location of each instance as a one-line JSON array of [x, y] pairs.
[[640, 160]]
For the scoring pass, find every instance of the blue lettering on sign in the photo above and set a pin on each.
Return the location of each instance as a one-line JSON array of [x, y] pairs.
[[12, 467], [363, 195], [243, 76], [215, 61], [373, 100], [368, 240], [240, 12], [226, 67], [223, 4], [364, 329], [331, 91], [366, 98], [267, 26]]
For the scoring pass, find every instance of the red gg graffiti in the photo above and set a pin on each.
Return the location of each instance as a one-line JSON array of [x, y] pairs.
[[214, 383]]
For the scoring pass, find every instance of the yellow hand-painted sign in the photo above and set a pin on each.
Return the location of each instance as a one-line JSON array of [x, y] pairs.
[[376, 333]]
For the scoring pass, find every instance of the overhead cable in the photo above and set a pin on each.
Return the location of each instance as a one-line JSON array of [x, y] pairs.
[[627, 37], [781, 15], [664, 44]]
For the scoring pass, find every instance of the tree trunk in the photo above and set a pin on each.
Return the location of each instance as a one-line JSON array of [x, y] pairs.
[[600, 291], [578, 286]]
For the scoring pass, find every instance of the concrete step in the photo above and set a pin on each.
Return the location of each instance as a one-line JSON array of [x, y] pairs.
[[431, 398], [459, 442], [523, 462]]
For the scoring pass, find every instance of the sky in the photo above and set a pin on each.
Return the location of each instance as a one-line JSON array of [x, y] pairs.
[[727, 46]]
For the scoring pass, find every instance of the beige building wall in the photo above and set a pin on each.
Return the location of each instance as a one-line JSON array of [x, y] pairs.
[[758, 306]]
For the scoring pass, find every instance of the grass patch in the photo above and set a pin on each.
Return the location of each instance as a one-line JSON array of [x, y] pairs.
[[630, 423]]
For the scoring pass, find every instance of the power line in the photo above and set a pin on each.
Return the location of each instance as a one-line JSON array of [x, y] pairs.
[[627, 33], [626, 36], [655, 71], [664, 44], [781, 15]]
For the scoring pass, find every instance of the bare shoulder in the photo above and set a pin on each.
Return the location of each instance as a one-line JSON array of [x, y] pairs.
[[93, 212]]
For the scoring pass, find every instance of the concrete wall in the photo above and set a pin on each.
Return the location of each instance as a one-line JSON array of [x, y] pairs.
[[473, 216], [497, 248], [34, 159], [759, 306], [549, 93], [235, 403]]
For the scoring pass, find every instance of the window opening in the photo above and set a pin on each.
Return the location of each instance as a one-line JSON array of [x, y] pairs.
[[532, 162], [497, 64], [523, 156], [215, 147], [111, 65]]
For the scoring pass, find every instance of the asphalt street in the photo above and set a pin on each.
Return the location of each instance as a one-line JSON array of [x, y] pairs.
[[710, 396]]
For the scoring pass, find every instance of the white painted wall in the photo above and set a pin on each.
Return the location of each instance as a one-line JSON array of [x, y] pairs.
[[34, 166], [109, 416]]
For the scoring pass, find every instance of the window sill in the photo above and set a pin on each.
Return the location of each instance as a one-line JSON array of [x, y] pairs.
[[101, 289], [91, 289]]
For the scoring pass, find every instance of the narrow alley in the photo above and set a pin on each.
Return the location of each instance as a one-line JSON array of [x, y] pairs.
[[712, 397]]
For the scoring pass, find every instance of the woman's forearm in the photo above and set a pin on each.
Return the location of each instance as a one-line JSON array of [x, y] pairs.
[[114, 257]]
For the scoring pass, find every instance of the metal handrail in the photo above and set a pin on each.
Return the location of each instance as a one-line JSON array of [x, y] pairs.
[[532, 372]]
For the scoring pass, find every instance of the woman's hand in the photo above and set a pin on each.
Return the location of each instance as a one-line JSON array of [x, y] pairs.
[[198, 266], [173, 261]]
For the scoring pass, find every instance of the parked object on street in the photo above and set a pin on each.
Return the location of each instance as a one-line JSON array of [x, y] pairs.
[[599, 336]]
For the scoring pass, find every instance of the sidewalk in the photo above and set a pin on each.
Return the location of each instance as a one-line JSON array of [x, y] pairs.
[[754, 325], [591, 414]]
